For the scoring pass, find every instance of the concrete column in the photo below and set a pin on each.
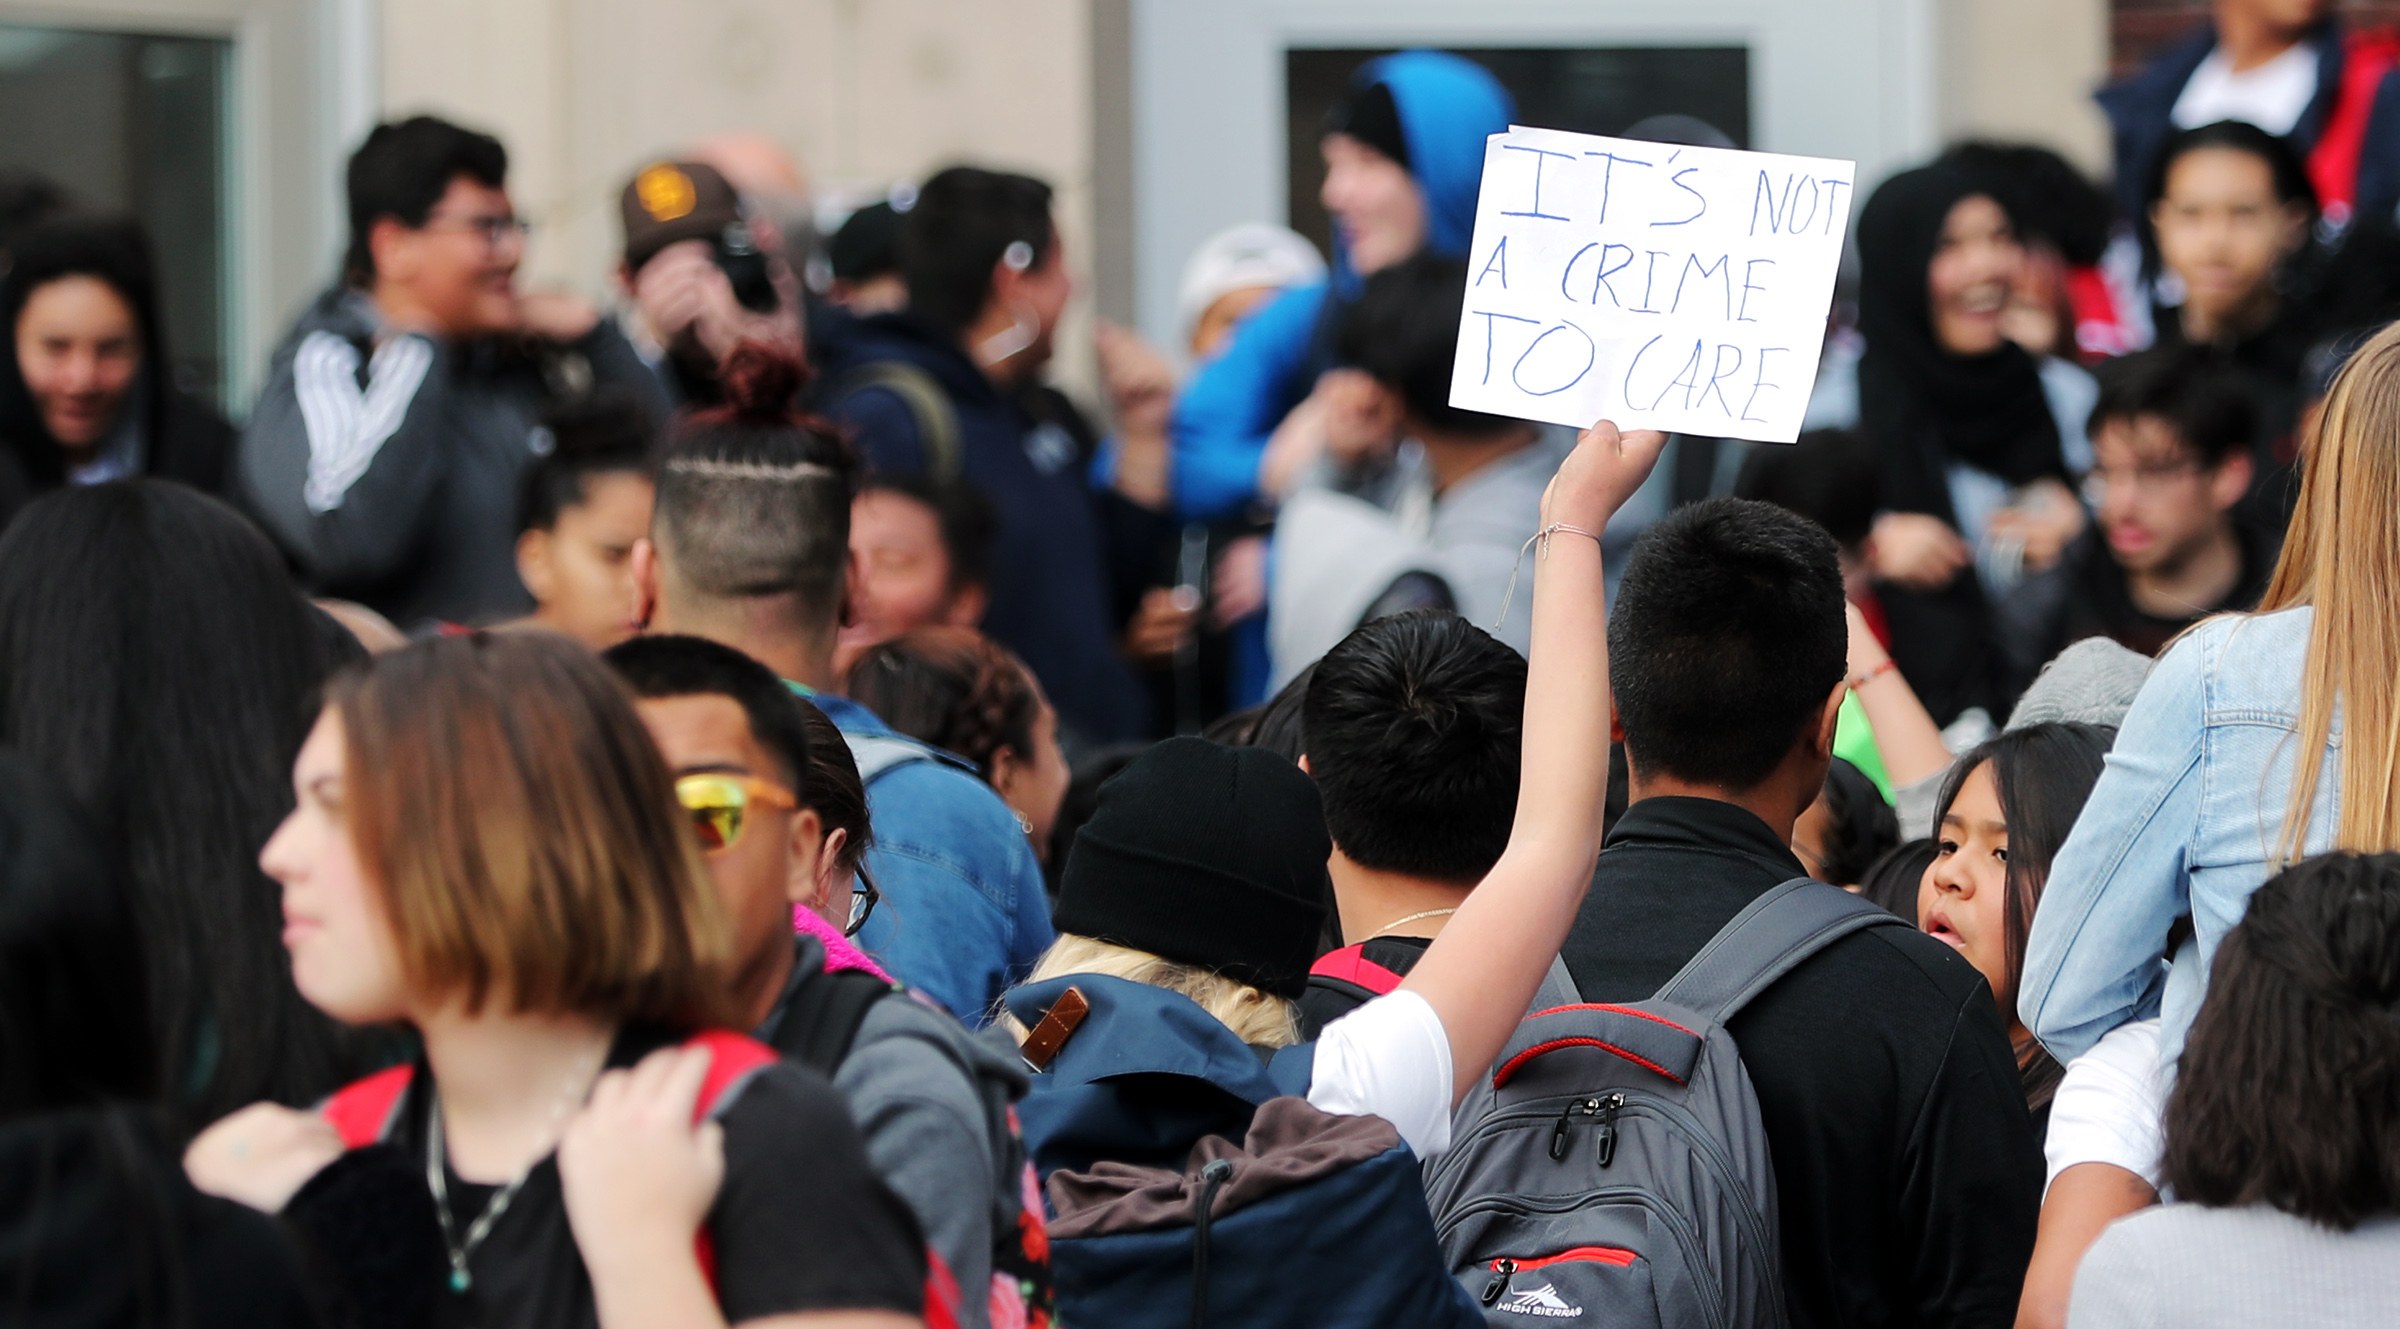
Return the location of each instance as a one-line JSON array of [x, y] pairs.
[[2024, 70]]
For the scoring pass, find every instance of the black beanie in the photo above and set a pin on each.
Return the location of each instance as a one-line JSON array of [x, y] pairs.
[[1208, 856], [1370, 115]]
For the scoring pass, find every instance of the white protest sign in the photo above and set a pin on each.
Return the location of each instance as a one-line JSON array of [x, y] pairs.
[[1659, 286]]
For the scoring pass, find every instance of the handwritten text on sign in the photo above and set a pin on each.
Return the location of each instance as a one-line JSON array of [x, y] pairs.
[[1659, 286]]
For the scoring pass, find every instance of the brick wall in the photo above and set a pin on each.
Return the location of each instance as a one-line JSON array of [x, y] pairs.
[[2139, 28]]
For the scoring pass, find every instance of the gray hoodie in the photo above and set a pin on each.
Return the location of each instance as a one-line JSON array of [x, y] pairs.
[[387, 465], [931, 1100]]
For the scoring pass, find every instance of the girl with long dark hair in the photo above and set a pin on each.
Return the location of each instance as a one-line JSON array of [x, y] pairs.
[[2005, 809], [87, 391]]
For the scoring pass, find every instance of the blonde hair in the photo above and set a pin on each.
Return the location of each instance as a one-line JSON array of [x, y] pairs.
[[2342, 557], [1255, 1017]]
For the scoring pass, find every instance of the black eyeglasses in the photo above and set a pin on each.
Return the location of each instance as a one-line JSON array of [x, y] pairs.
[[863, 896], [497, 232]]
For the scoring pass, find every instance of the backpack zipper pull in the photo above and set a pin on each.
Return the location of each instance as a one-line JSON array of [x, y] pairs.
[[1502, 1270], [1609, 1107], [1589, 1107]]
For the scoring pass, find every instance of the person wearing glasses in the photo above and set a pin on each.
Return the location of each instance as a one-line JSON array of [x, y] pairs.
[[738, 743], [2172, 462], [401, 411]]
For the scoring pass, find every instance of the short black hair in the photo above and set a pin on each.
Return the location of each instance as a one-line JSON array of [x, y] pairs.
[[2196, 390], [669, 666], [402, 171], [1726, 639], [1403, 331], [605, 433], [966, 518], [2290, 173], [1864, 826], [1412, 727], [1829, 476], [867, 245], [963, 223]]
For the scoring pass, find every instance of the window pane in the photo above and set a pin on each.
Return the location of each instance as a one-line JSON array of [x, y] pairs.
[[134, 123]]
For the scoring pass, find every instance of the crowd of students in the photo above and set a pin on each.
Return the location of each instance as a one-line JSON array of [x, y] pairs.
[[668, 815]]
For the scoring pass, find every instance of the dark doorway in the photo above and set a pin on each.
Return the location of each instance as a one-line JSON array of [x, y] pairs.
[[1587, 91]]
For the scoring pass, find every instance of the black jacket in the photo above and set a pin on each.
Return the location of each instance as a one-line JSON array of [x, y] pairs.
[[1905, 1161], [193, 445]]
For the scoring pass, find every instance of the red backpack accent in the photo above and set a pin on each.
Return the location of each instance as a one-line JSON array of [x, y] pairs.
[[1351, 965], [364, 1112], [2333, 162]]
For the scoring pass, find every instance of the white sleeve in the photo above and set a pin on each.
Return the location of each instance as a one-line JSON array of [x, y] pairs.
[[2109, 1105], [347, 426], [1391, 1059]]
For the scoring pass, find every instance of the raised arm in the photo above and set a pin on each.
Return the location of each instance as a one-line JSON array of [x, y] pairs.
[[1482, 971]]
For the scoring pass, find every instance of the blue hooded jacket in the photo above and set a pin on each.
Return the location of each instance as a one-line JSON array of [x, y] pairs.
[[1448, 106]]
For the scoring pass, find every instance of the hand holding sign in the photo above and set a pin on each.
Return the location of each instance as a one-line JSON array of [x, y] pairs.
[[1660, 286]]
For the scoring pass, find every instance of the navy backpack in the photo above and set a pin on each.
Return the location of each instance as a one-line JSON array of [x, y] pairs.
[[1192, 1183]]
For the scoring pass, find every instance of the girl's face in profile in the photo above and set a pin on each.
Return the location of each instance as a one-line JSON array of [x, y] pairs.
[[1964, 897], [343, 957]]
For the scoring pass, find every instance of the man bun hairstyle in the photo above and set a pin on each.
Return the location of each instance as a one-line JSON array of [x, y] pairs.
[[754, 495], [1726, 639], [2288, 1092], [402, 171], [1413, 726], [963, 224]]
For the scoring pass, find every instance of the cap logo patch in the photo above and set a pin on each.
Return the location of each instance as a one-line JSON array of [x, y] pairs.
[[665, 192]]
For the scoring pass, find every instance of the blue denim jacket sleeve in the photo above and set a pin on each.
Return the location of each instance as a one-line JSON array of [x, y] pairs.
[[963, 915], [2095, 958]]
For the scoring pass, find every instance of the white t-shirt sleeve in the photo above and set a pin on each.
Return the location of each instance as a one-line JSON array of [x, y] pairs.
[[2110, 1105], [1391, 1059]]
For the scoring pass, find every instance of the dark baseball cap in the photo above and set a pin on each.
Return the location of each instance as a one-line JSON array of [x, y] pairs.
[[670, 201]]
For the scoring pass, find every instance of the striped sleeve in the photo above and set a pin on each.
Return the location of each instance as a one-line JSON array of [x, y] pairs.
[[346, 425]]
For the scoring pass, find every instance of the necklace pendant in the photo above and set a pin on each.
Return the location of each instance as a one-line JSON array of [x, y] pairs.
[[459, 1281]]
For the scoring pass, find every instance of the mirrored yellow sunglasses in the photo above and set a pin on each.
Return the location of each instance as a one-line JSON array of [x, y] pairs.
[[719, 804]]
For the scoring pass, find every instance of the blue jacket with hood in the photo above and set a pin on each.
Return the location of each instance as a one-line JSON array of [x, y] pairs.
[[1448, 106]]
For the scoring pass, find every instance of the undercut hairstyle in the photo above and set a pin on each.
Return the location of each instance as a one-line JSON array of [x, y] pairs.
[[671, 666], [402, 171], [157, 664], [2194, 390], [753, 496], [74, 1006], [962, 226], [1726, 641], [1413, 726], [951, 687], [605, 434], [1829, 476], [2288, 1093], [522, 832], [965, 518], [1403, 331]]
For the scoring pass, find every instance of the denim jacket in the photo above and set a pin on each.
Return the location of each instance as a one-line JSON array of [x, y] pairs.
[[2186, 820], [963, 915]]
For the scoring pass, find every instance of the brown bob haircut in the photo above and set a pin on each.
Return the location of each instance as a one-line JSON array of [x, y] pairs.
[[2289, 1090], [523, 830]]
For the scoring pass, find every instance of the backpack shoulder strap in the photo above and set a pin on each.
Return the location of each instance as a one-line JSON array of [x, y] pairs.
[[1765, 941], [363, 1113], [733, 1059], [1351, 965], [928, 405], [823, 1017], [876, 754]]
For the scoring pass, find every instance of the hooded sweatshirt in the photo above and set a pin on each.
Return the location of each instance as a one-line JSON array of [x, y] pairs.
[[1448, 106]]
